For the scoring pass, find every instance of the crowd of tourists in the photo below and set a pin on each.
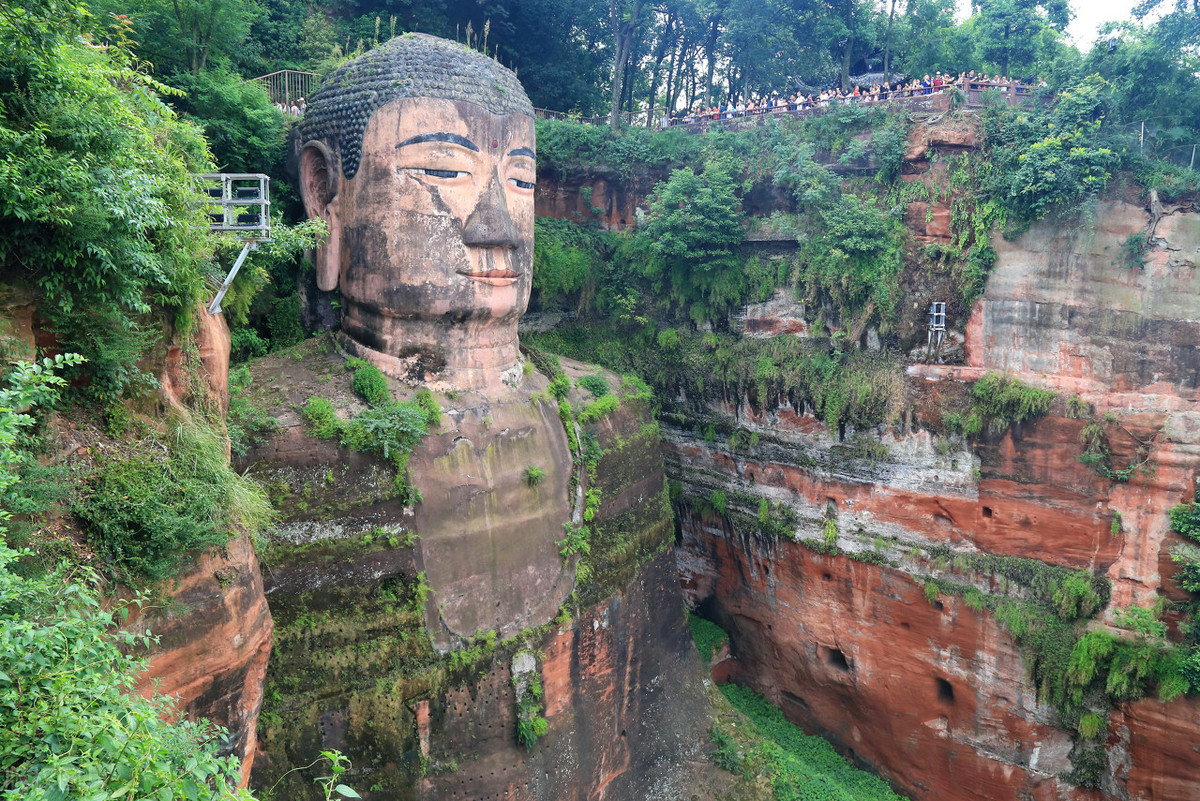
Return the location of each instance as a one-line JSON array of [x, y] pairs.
[[874, 93], [295, 109]]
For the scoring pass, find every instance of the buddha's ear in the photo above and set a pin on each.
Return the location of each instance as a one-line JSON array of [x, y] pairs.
[[318, 189]]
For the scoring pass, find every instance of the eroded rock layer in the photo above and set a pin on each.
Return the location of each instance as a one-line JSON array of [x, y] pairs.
[[814, 548]]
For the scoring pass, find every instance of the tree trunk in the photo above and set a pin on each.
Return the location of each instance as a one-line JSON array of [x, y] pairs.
[[623, 30], [1007, 31], [660, 52], [887, 46], [846, 64], [710, 52]]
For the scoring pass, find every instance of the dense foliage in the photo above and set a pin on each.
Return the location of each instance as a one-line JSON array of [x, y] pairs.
[[147, 507], [70, 724], [798, 766], [96, 199]]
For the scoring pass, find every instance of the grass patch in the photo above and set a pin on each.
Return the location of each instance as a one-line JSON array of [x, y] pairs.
[[799, 767], [147, 507], [708, 636], [998, 400]]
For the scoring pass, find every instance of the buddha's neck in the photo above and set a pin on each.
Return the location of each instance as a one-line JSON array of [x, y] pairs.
[[461, 357]]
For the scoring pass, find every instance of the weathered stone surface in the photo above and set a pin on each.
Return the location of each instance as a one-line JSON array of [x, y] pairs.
[[1162, 749], [209, 346], [612, 200], [782, 314], [212, 653], [622, 723], [362, 665], [1062, 303], [934, 696]]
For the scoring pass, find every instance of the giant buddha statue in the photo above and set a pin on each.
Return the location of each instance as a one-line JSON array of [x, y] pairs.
[[420, 157], [452, 648]]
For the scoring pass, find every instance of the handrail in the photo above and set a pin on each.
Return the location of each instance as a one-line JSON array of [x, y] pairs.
[[1014, 92], [288, 86], [284, 72]]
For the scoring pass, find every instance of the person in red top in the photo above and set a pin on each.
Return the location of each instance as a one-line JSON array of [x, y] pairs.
[[937, 82]]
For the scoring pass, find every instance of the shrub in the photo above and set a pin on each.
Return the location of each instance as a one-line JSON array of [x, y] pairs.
[[96, 193], [322, 421], [599, 409], [148, 507], [73, 725], [576, 541], [534, 475], [371, 385], [1090, 725], [1001, 399], [594, 384], [391, 431], [560, 386]]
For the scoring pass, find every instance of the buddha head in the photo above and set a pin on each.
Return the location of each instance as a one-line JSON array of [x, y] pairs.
[[419, 155]]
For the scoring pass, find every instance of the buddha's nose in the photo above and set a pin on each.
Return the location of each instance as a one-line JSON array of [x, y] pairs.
[[490, 224]]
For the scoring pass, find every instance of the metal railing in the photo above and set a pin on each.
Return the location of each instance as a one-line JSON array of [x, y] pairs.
[[643, 118], [237, 203], [974, 93], [287, 86]]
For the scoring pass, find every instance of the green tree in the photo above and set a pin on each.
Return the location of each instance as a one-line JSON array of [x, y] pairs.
[[695, 222], [243, 128], [188, 35], [97, 204], [1011, 33]]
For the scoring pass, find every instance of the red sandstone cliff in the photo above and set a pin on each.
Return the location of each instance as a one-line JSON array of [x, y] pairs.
[[934, 695]]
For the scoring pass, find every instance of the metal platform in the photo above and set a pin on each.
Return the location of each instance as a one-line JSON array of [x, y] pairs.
[[238, 203]]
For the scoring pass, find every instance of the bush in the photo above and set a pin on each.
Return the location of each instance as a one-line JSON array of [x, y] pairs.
[[371, 385], [323, 422], [693, 225], [598, 409], [1053, 161], [73, 726], [1001, 399], [148, 507], [283, 324], [96, 195], [534, 475], [391, 429], [594, 384]]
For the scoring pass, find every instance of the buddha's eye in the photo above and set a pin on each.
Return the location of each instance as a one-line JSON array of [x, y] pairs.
[[444, 173], [517, 182]]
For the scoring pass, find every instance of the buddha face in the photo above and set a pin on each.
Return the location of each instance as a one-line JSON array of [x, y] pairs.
[[435, 231]]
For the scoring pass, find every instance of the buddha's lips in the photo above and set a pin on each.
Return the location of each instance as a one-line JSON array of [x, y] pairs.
[[492, 277]]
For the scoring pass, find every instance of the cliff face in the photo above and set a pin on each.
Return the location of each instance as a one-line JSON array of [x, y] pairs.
[[840, 630], [212, 654], [416, 638]]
